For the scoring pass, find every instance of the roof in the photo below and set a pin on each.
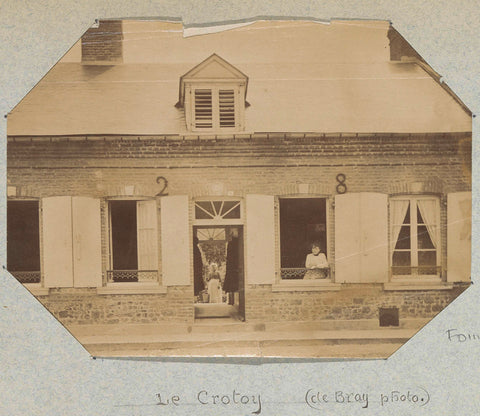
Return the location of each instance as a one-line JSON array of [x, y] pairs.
[[302, 77]]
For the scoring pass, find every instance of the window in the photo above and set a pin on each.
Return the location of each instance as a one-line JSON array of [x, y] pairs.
[[303, 221], [415, 236], [217, 210], [213, 94], [23, 240], [214, 109], [133, 241]]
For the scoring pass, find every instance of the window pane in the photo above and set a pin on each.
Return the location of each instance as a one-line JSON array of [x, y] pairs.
[[23, 243], [203, 210], [407, 216], [403, 241], [424, 240], [217, 206], [419, 217], [124, 235], [427, 258], [401, 263], [231, 213], [427, 261]]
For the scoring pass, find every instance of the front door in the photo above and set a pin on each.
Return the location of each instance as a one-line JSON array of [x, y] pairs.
[[218, 272]]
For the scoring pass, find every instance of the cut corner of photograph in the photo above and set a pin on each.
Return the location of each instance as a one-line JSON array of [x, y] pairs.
[[274, 188]]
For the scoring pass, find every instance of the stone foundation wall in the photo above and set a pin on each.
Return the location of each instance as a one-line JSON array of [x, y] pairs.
[[353, 301], [85, 306]]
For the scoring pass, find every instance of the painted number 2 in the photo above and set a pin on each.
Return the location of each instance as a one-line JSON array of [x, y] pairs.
[[341, 187], [164, 183]]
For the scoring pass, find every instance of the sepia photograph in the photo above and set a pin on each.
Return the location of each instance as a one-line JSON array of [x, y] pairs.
[[268, 188]]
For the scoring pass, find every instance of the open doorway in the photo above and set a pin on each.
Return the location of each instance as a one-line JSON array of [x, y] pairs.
[[218, 272]]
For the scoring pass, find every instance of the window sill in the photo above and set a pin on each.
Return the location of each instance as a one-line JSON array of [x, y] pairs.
[[306, 286], [420, 283], [131, 288], [36, 289]]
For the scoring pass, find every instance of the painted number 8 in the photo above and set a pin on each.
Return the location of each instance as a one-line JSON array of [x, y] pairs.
[[341, 187]]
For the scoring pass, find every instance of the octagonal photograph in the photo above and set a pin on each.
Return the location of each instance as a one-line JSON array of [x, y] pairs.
[[266, 188]]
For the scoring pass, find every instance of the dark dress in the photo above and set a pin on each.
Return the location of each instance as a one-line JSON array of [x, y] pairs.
[[231, 274], [197, 268]]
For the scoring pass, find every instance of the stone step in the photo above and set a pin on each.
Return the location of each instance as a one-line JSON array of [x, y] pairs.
[[301, 348], [214, 310]]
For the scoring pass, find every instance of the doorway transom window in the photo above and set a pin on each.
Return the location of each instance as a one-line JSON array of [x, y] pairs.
[[217, 210]]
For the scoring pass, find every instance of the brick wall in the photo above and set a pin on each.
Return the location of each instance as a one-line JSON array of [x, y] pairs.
[[101, 167], [103, 43]]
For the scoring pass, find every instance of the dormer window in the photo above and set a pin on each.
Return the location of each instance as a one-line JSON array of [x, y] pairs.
[[213, 96], [215, 108]]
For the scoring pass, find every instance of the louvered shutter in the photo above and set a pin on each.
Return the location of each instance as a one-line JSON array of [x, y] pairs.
[[260, 239], [226, 108], [87, 243], [176, 247], [361, 238], [459, 236], [147, 235], [57, 241], [203, 105]]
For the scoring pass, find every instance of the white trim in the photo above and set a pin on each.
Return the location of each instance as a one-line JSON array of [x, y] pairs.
[[306, 286], [417, 285], [131, 288], [36, 289]]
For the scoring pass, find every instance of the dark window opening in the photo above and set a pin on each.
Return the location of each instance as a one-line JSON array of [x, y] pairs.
[[123, 216], [303, 221], [23, 240]]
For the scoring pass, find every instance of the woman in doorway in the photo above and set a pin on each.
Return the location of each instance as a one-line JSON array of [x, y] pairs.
[[316, 263], [214, 286]]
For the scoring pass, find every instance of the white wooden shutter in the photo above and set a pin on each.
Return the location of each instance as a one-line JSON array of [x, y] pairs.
[[87, 242], [459, 236], [347, 238], [147, 235], [374, 243], [204, 108], [361, 238], [57, 241], [226, 108], [260, 239], [176, 246]]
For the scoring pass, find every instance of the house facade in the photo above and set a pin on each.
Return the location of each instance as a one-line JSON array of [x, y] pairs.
[[144, 158]]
